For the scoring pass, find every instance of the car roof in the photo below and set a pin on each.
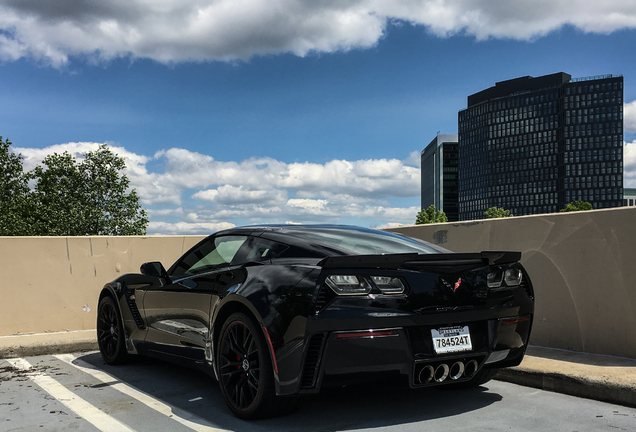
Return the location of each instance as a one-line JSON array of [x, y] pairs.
[[290, 234], [296, 227]]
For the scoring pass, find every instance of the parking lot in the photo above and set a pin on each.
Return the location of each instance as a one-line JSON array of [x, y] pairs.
[[80, 392]]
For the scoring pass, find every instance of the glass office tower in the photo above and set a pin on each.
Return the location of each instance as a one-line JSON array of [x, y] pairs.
[[439, 176], [532, 145]]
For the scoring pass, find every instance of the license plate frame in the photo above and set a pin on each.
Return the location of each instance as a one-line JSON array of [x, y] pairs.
[[451, 339]]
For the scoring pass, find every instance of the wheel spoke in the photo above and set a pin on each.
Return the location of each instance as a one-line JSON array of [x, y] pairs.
[[103, 337], [231, 373], [252, 350], [247, 338], [110, 347], [242, 401], [103, 318], [240, 392], [228, 363], [252, 382], [234, 343]]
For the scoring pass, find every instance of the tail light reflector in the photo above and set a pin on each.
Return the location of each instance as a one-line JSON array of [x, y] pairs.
[[516, 320], [365, 334]]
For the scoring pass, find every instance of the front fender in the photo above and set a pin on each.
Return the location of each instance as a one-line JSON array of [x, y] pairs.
[[122, 290]]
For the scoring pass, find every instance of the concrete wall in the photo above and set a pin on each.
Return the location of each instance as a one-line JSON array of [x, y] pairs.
[[582, 265], [51, 284]]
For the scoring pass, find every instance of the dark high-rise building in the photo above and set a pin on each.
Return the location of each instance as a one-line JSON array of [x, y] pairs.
[[532, 145], [439, 176]]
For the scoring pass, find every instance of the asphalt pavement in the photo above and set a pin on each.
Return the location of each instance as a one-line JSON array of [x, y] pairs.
[[592, 376]]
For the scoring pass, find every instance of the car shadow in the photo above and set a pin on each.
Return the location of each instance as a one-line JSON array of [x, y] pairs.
[[195, 396]]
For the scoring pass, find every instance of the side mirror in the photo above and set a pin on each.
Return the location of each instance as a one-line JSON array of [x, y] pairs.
[[154, 268]]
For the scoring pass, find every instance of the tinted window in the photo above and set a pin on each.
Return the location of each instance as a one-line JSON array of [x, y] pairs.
[[362, 241], [260, 249], [214, 253]]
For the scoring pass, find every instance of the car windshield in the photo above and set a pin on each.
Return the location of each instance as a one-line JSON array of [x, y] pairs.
[[363, 241]]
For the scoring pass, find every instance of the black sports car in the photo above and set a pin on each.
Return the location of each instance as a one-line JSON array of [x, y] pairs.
[[275, 312]]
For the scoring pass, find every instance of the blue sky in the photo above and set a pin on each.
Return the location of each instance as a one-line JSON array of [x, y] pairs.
[[297, 113]]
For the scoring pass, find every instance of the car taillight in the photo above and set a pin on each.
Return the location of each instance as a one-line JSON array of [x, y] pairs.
[[511, 276], [348, 285], [388, 285], [495, 278]]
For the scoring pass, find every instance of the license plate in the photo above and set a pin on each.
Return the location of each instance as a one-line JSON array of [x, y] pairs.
[[451, 339]]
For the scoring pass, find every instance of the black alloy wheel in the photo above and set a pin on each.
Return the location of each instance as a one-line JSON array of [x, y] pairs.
[[110, 333], [245, 369]]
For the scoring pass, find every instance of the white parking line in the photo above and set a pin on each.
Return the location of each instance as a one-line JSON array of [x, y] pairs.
[[79, 406], [193, 422]]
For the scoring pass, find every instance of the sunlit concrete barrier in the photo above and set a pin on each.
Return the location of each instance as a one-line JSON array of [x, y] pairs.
[[50, 285], [582, 265]]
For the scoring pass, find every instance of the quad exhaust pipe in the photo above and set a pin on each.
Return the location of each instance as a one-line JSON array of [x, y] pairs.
[[443, 371]]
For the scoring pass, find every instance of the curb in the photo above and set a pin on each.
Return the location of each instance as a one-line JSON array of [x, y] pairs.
[[32, 345], [38, 350], [574, 386]]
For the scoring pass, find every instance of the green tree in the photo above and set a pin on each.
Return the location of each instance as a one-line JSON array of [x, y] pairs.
[[70, 197], [430, 215], [577, 206], [497, 212], [15, 203], [86, 198]]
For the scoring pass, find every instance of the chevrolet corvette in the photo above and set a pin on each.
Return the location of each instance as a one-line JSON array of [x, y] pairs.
[[277, 312]]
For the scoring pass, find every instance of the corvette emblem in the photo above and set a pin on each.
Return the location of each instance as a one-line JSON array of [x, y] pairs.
[[457, 284]]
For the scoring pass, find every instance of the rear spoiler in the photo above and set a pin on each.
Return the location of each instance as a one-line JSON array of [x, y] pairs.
[[438, 262]]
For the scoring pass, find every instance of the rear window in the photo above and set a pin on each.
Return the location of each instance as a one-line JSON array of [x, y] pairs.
[[363, 241]]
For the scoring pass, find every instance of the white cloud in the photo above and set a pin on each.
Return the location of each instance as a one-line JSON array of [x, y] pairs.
[[313, 205], [263, 179], [234, 195], [202, 30], [166, 212], [390, 225], [186, 228], [414, 159], [629, 164], [377, 178], [194, 193], [34, 156], [629, 117]]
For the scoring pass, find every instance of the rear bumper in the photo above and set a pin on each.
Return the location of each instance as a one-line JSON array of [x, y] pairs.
[[339, 356]]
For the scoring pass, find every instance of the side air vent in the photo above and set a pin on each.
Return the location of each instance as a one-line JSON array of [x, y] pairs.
[[312, 361], [130, 299], [526, 287], [325, 295]]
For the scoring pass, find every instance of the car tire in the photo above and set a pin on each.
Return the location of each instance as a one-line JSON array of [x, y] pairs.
[[245, 370], [110, 332]]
